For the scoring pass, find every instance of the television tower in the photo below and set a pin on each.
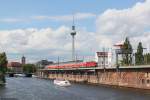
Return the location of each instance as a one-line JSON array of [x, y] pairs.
[[73, 33]]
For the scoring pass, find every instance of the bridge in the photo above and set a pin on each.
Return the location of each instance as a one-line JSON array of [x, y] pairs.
[[12, 74]]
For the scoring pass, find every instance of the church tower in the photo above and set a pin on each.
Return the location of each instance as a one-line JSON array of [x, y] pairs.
[[23, 60]]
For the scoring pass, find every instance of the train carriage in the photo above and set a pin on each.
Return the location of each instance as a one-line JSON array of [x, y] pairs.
[[72, 65]]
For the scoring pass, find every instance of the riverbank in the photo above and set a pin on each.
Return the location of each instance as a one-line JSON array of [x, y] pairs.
[[2, 83], [129, 77]]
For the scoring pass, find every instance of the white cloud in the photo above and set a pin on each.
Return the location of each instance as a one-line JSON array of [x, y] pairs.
[[12, 20], [46, 42], [116, 24], [24, 39], [112, 26], [78, 16]]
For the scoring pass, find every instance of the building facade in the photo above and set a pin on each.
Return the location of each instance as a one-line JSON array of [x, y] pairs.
[[41, 64], [104, 59], [15, 67]]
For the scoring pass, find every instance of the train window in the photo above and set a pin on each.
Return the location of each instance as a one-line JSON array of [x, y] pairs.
[[148, 81], [147, 75], [143, 81]]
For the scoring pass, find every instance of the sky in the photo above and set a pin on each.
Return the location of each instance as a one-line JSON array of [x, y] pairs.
[[40, 29]]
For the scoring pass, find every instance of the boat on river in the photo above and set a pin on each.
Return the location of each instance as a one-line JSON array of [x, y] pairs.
[[19, 75], [62, 82]]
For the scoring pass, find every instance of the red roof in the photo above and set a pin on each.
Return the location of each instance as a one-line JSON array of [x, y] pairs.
[[14, 64], [119, 44]]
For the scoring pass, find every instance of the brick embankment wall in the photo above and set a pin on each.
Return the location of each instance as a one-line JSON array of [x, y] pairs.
[[133, 79], [125, 78]]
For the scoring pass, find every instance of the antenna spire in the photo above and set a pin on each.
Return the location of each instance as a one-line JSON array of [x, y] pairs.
[[73, 24]]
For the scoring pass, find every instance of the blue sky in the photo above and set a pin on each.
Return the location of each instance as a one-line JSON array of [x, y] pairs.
[[24, 9], [39, 29]]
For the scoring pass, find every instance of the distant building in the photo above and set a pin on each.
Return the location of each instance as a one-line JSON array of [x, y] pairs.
[[23, 60], [15, 67], [104, 59], [43, 63]]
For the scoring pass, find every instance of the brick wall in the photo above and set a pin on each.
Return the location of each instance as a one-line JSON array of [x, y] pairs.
[[126, 78]]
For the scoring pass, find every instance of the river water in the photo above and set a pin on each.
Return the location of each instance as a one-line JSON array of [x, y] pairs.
[[40, 89]]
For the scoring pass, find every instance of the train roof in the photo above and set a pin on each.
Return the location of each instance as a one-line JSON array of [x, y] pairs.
[[67, 62]]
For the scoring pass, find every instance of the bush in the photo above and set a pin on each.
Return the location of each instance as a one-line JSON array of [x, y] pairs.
[[29, 68]]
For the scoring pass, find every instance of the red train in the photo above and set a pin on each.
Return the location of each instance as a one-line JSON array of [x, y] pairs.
[[72, 65]]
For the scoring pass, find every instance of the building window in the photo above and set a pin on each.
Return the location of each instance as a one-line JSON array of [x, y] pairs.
[[143, 81], [148, 81]]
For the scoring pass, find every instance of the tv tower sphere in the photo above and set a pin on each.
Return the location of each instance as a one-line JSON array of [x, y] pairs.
[[73, 31]]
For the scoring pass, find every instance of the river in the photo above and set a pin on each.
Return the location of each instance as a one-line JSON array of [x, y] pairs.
[[41, 89]]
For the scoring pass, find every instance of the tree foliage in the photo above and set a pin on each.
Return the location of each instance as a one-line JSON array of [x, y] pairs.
[[147, 58], [29, 68], [3, 66], [127, 52], [139, 58]]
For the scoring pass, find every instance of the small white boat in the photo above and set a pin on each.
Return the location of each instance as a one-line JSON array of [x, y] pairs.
[[19, 75], [61, 82], [34, 76]]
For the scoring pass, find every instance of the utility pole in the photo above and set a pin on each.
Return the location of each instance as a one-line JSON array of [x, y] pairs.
[[58, 66], [104, 58]]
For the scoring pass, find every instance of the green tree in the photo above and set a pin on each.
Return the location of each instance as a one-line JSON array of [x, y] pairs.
[[147, 58], [3, 66], [29, 68], [127, 52], [139, 58]]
